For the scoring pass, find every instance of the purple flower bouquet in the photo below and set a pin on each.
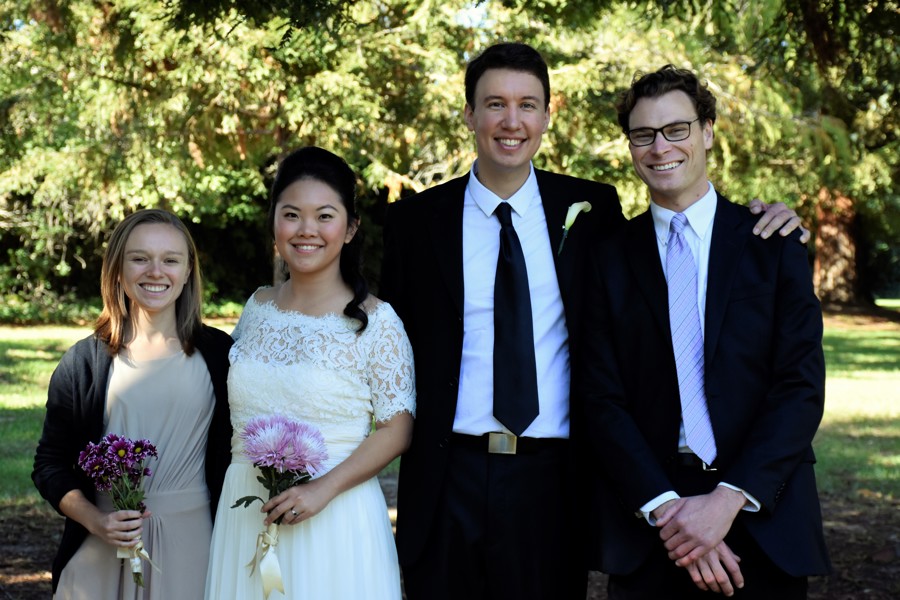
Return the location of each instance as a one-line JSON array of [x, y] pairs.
[[117, 466], [287, 453]]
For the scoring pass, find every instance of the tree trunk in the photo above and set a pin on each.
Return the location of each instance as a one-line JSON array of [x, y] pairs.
[[835, 272]]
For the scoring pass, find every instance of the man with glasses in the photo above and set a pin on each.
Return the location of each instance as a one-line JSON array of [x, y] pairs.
[[703, 377]]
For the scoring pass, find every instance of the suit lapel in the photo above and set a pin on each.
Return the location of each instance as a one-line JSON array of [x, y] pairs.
[[725, 251], [555, 215], [445, 229], [643, 260]]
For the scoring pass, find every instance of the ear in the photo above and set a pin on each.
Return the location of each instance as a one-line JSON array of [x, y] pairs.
[[352, 228], [708, 135], [470, 117]]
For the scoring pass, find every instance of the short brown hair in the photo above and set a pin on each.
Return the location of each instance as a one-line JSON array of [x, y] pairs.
[[511, 56], [667, 79]]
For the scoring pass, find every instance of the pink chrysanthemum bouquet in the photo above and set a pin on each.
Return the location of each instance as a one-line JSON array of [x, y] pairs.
[[287, 453], [117, 466]]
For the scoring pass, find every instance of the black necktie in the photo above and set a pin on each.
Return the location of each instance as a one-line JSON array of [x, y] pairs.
[[515, 376]]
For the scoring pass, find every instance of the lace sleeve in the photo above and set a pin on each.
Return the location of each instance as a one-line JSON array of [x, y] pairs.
[[238, 330], [391, 369]]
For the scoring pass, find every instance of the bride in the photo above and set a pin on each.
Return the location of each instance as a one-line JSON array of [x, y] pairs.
[[318, 349]]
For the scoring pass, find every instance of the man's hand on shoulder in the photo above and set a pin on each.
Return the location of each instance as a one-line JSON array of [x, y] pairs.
[[776, 216]]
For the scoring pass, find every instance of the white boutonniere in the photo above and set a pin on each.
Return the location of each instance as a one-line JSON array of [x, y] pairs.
[[570, 220]]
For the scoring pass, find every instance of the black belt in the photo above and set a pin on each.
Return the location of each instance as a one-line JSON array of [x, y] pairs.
[[505, 443], [689, 460]]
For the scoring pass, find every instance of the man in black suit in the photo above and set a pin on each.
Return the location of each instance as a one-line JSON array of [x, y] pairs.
[[486, 506], [703, 378]]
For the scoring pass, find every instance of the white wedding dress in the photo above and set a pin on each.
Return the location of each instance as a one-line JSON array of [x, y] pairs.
[[320, 371]]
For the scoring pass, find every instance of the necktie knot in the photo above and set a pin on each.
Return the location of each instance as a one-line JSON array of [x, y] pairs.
[[504, 214], [678, 223]]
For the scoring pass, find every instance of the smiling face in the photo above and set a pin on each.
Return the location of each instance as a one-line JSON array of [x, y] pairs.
[[508, 118], [675, 172], [311, 228], [156, 266]]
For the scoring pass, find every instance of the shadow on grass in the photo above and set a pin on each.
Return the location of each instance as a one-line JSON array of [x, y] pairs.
[[26, 363], [20, 429], [851, 353], [859, 457]]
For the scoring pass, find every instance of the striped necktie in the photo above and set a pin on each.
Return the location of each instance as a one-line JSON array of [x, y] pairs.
[[687, 341]]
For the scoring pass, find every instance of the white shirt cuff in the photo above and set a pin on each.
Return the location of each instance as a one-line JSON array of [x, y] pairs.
[[754, 504], [646, 510]]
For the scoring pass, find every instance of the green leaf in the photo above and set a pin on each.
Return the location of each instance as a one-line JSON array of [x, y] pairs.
[[246, 501]]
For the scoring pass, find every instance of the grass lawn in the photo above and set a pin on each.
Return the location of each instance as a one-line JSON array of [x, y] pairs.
[[858, 443], [28, 356]]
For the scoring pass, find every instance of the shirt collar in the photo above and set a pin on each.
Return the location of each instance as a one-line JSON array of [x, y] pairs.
[[488, 201], [699, 215]]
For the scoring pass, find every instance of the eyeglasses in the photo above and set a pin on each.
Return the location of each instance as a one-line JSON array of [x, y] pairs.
[[674, 132]]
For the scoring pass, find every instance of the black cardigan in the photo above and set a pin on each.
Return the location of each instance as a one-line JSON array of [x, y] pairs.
[[75, 402]]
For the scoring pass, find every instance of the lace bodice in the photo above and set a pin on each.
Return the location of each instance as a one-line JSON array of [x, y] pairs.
[[319, 370]]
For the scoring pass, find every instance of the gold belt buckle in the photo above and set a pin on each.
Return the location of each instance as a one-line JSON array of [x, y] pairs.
[[501, 443]]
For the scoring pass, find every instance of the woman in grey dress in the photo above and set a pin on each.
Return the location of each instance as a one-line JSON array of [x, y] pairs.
[[151, 370]]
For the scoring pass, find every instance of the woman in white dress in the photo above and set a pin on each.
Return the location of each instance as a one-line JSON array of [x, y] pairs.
[[318, 349]]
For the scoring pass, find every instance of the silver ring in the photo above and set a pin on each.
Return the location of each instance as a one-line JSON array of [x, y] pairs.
[[294, 512]]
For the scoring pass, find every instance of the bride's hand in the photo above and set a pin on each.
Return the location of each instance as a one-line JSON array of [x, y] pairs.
[[298, 503]]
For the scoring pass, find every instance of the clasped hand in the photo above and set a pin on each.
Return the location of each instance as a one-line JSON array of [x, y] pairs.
[[693, 530]]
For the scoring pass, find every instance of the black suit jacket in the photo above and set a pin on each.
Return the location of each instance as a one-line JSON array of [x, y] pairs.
[[422, 278], [764, 378]]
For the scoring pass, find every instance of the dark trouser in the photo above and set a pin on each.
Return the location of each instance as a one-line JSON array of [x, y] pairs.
[[658, 578], [504, 529]]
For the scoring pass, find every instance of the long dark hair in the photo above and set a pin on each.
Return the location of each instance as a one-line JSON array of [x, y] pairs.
[[316, 163]]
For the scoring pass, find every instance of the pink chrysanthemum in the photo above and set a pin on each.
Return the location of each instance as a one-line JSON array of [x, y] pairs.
[[287, 453], [284, 445]]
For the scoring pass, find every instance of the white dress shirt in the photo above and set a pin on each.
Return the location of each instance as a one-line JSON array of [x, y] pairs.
[[481, 246]]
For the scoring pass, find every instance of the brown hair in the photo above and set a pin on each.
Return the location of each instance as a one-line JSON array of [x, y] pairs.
[[110, 326], [667, 79]]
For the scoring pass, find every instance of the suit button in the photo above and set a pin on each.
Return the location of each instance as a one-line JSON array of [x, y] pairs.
[[453, 382]]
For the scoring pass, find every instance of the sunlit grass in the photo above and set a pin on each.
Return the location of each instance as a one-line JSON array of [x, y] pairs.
[[858, 443], [892, 303]]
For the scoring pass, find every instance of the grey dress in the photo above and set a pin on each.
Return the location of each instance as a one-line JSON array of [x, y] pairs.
[[170, 402]]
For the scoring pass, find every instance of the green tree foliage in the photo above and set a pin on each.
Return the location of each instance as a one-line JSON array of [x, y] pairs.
[[836, 66], [293, 14], [109, 106]]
